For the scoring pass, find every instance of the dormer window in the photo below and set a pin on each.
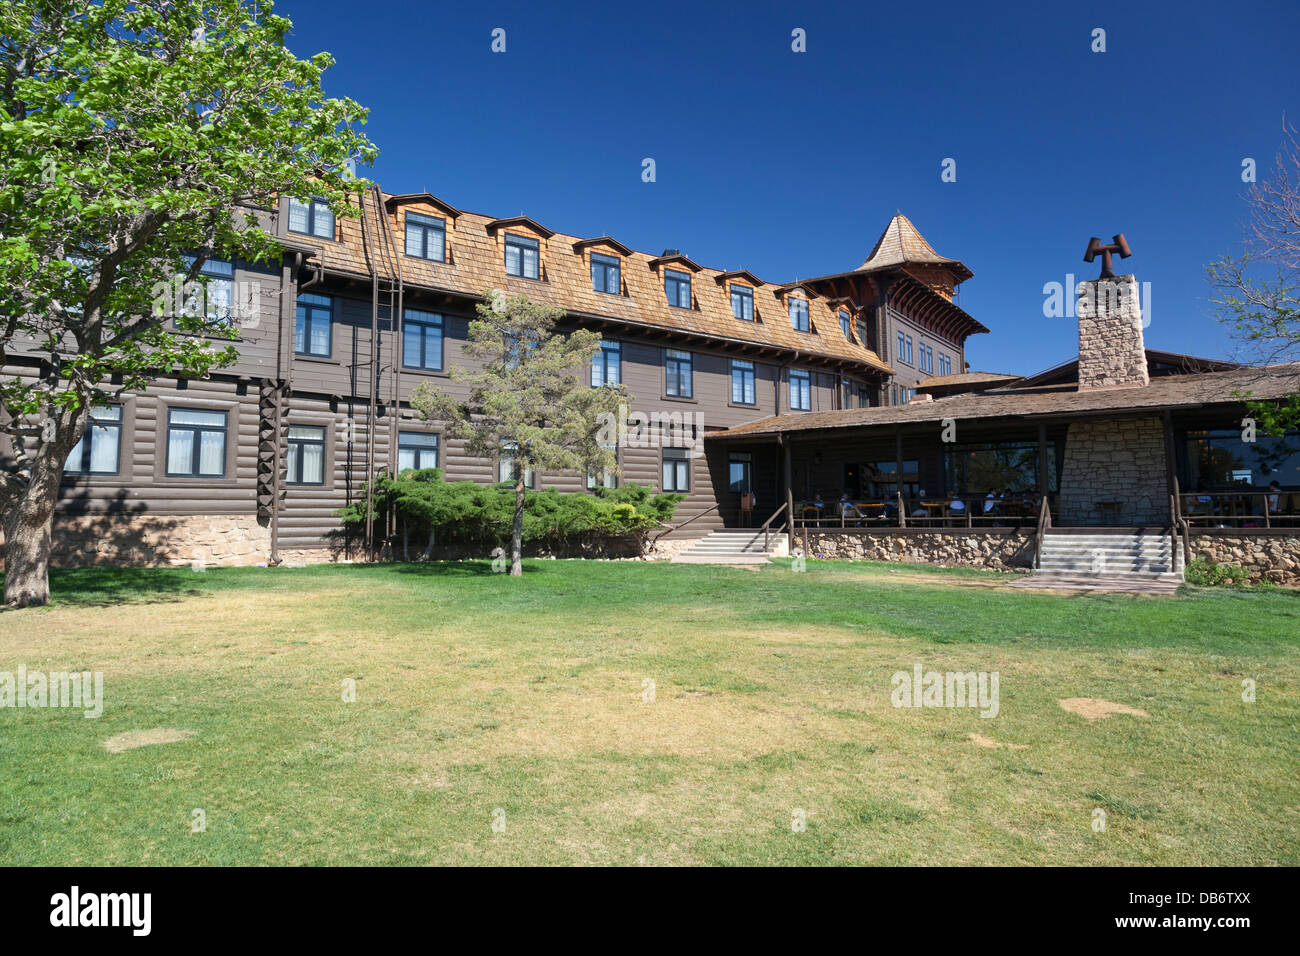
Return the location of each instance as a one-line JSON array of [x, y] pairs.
[[846, 324], [798, 314], [523, 256], [426, 237], [677, 287], [742, 302], [311, 218], [605, 274]]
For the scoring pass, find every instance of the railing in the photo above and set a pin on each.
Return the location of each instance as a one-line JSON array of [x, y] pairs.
[[1239, 509], [974, 511], [678, 527], [767, 525], [1044, 522]]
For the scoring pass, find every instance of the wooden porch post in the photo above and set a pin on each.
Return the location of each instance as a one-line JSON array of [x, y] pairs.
[[898, 473], [1042, 460], [784, 441], [1170, 465]]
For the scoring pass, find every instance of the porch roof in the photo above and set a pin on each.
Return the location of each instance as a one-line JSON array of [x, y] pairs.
[[1049, 401]]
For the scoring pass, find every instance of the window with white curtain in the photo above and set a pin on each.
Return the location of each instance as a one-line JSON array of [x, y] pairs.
[[98, 450], [306, 464], [196, 443], [416, 450]]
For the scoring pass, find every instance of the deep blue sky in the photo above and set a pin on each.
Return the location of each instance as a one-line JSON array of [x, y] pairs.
[[791, 164]]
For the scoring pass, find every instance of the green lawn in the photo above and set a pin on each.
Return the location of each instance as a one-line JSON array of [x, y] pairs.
[[772, 694]]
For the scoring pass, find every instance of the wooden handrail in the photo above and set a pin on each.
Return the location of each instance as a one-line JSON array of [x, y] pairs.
[[767, 524], [1044, 522], [678, 527]]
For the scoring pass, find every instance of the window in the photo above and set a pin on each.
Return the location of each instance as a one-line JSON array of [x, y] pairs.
[[864, 397], [607, 364], [213, 298], [881, 479], [677, 286], [902, 347], [862, 332], [605, 274], [846, 393], [800, 391], [306, 465], [311, 218], [196, 443], [416, 450], [422, 340], [927, 358], [677, 470], [522, 256], [311, 333], [945, 364], [678, 369], [99, 448], [506, 470], [742, 383], [1010, 467], [740, 472], [426, 237], [742, 302], [608, 478], [846, 325], [909, 351], [799, 314]]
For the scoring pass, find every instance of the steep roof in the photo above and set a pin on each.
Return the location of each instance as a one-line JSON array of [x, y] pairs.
[[901, 244], [475, 262], [938, 385], [1196, 389]]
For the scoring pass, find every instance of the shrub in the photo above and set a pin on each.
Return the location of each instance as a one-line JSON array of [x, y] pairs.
[[1205, 573], [463, 513]]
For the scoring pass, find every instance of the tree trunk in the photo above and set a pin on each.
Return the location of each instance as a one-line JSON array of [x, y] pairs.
[[27, 553], [517, 532], [428, 551], [29, 514]]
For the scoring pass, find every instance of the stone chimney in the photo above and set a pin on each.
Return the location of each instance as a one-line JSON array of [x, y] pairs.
[[1111, 351]]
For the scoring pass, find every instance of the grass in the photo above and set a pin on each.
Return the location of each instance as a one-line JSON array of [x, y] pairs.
[[477, 694]]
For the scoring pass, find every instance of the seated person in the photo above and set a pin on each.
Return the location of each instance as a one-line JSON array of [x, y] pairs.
[[1272, 500], [849, 509], [920, 511], [992, 503], [956, 506]]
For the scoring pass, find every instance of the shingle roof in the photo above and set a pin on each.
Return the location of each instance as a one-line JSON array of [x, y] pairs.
[[964, 379], [902, 243], [475, 264], [1209, 388]]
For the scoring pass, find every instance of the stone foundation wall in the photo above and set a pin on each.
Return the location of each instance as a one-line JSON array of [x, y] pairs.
[[158, 541], [1000, 550], [1115, 460], [1270, 557]]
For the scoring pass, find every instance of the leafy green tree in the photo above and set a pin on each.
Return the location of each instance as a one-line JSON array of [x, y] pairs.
[[137, 140], [1257, 293], [527, 402]]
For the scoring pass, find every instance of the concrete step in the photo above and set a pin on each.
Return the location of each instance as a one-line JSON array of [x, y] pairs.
[[1134, 575], [686, 558]]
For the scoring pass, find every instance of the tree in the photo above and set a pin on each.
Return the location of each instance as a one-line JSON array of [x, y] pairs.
[[527, 403], [1258, 292], [137, 141]]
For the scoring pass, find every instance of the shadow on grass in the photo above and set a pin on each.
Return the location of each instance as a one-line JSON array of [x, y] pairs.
[[453, 569], [104, 587]]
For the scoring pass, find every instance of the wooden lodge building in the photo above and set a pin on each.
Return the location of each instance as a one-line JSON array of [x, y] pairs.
[[853, 383]]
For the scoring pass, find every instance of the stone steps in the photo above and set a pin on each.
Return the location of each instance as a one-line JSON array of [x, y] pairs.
[[731, 546], [1149, 555]]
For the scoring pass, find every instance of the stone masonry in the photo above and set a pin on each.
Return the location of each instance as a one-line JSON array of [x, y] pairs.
[[995, 550], [1115, 460], [159, 541], [1111, 350], [1273, 558]]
